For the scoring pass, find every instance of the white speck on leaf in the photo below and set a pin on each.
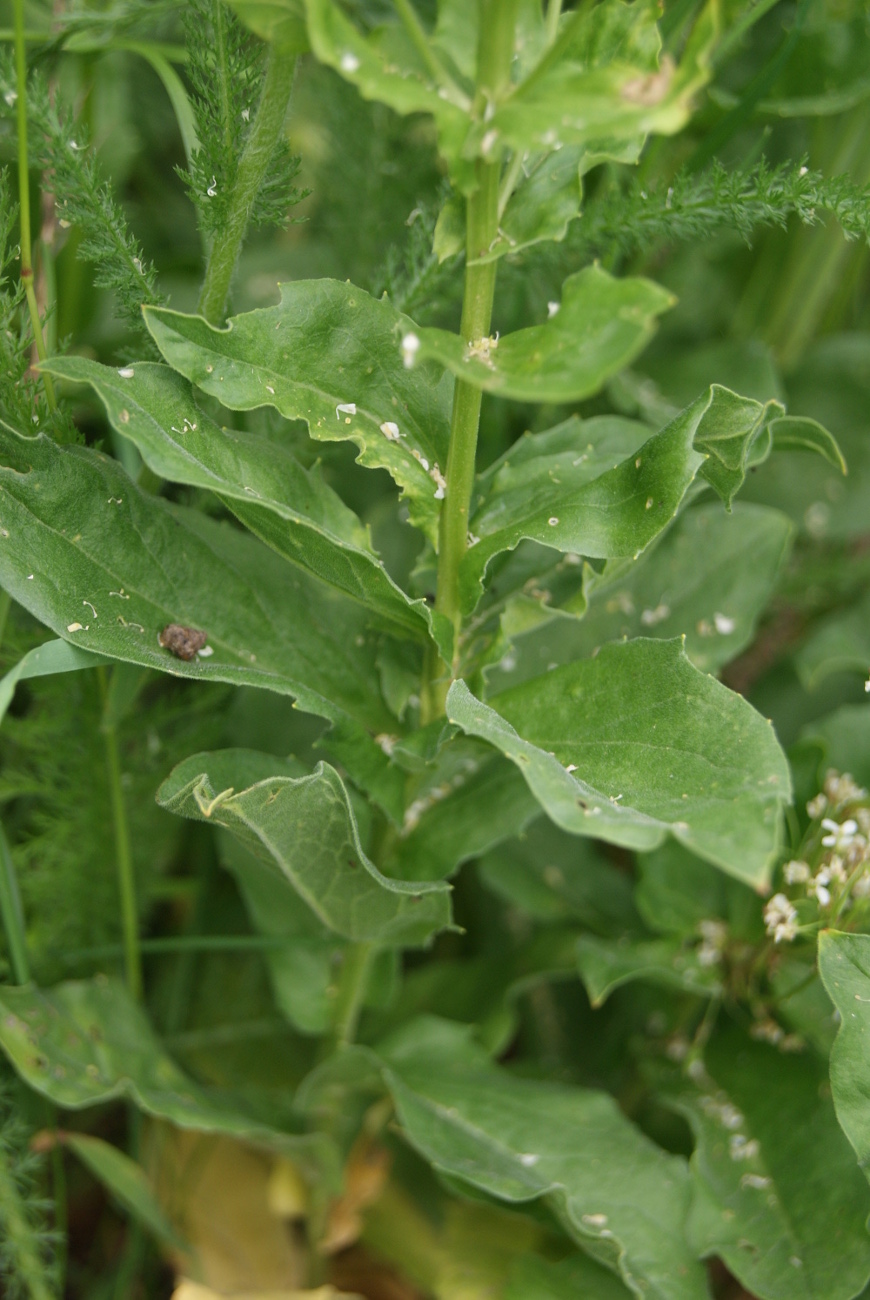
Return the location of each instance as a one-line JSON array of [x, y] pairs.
[[552, 309], [127, 372], [724, 625], [75, 627], [410, 348], [349, 62], [345, 408], [390, 430]]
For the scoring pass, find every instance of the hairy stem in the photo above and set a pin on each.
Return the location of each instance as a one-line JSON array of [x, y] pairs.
[[21, 1249], [261, 143], [12, 914], [123, 852], [24, 198]]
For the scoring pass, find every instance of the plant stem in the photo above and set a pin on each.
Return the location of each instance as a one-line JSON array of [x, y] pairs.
[[24, 198], [123, 852], [351, 990], [265, 134], [13, 915]]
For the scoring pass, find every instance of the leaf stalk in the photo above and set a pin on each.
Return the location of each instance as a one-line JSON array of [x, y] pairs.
[[123, 851]]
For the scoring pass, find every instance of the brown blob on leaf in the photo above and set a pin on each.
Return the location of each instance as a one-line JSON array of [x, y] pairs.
[[184, 642]]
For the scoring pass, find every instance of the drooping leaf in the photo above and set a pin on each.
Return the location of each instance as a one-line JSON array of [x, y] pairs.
[[617, 1194], [306, 829], [86, 1042], [777, 1191], [798, 433], [331, 355], [657, 748], [112, 566], [44, 661], [708, 579], [126, 1181], [606, 488], [289, 507], [603, 80], [605, 965], [600, 326], [844, 965], [281, 22]]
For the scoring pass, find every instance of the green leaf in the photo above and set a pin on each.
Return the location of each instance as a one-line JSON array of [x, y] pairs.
[[387, 66], [282, 22], [605, 487], [708, 579], [468, 800], [603, 80], [126, 1181], [840, 643], [677, 892], [797, 433], [113, 566], [600, 326], [617, 1194], [554, 876], [44, 661], [844, 735], [289, 507], [577, 1276], [307, 830], [85, 1042], [331, 355], [844, 965], [778, 1195], [643, 729], [606, 965]]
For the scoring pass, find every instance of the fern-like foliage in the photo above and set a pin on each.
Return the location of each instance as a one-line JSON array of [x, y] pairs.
[[624, 221], [226, 66], [59, 148], [22, 398], [411, 275], [26, 1244]]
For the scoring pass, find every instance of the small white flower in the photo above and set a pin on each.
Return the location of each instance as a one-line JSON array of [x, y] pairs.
[[796, 872], [818, 888], [817, 806], [780, 917], [742, 1148], [840, 834]]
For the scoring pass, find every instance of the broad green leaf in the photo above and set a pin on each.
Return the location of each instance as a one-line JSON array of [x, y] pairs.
[[607, 964], [600, 326], [467, 801], [289, 507], [677, 892], [126, 1181], [385, 65], [571, 1279], [85, 1042], [281, 22], [306, 829], [802, 1002], [44, 661], [657, 748], [602, 80], [605, 487], [778, 1194], [617, 1194], [112, 566], [708, 579], [841, 643], [331, 355], [554, 876], [844, 965]]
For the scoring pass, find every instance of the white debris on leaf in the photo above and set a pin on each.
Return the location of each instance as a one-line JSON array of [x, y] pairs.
[[650, 617], [743, 1148], [553, 309], [75, 627], [723, 624], [345, 408], [440, 482], [212, 189], [482, 349], [349, 62], [410, 348], [780, 917], [127, 372], [390, 430]]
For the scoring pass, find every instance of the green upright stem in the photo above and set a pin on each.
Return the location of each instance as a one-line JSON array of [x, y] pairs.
[[24, 198], [351, 991], [265, 134], [123, 853], [13, 915]]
